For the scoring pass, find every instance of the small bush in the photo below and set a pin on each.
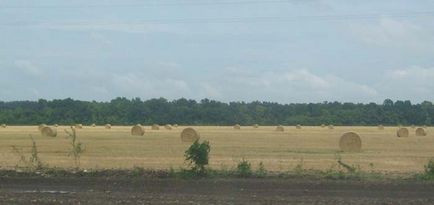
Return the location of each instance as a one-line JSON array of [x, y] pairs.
[[429, 171], [244, 168], [137, 171], [261, 172], [429, 168], [299, 168], [198, 156]]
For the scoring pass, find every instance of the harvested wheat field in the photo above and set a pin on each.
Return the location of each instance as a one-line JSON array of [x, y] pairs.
[[315, 147]]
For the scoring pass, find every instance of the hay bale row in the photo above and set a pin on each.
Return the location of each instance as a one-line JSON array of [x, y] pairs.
[[41, 126], [350, 142], [48, 131], [280, 128], [137, 130], [189, 135], [155, 127], [420, 132], [402, 132]]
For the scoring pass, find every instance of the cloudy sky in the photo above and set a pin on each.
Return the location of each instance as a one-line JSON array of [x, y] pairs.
[[229, 50]]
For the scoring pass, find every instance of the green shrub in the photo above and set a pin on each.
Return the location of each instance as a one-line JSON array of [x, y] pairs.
[[244, 168], [261, 172], [429, 171], [198, 156]]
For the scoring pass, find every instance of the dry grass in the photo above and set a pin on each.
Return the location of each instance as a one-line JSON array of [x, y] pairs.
[[279, 151]]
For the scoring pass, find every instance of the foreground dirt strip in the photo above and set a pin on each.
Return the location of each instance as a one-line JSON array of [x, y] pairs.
[[100, 190]]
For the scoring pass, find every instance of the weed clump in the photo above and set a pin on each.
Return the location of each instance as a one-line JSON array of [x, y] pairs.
[[244, 168], [33, 162], [77, 148]]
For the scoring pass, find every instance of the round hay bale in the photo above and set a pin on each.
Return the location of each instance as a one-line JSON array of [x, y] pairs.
[[323, 125], [420, 132], [237, 127], [4, 126], [168, 127], [108, 126], [298, 126], [280, 128], [155, 127], [49, 132], [41, 126], [255, 126], [175, 125], [350, 142], [93, 125], [380, 127], [189, 135], [331, 127], [78, 126], [56, 125], [137, 130], [402, 132], [413, 126]]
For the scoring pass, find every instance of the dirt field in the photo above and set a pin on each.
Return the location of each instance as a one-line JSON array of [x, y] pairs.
[[222, 191], [313, 147]]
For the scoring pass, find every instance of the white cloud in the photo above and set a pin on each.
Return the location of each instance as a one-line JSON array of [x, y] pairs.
[[393, 33], [294, 85], [27, 67], [410, 83]]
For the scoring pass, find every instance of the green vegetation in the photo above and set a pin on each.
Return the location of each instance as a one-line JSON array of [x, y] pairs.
[[429, 171], [33, 162], [261, 172], [77, 148], [244, 168], [198, 156], [122, 111]]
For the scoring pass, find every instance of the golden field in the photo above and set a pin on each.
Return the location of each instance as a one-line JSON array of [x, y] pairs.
[[314, 147]]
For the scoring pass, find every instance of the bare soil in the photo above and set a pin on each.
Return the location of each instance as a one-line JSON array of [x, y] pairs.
[[119, 190]]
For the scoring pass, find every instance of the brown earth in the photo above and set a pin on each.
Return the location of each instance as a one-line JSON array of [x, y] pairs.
[[103, 190]]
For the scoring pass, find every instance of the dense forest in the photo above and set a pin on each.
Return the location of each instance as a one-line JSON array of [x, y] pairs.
[[123, 111]]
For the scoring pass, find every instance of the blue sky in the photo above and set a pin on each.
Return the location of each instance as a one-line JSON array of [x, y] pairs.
[[241, 50]]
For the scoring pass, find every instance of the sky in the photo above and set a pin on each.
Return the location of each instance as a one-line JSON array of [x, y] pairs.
[[286, 51]]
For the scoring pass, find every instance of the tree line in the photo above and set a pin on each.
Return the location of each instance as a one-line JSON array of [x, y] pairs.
[[123, 111]]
